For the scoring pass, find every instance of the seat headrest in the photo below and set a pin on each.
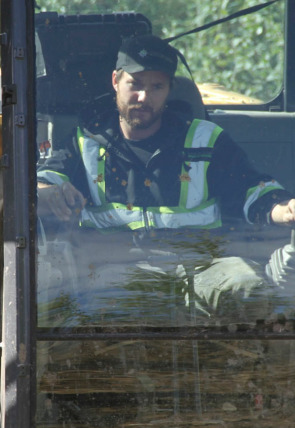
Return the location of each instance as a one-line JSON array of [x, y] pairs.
[[186, 99]]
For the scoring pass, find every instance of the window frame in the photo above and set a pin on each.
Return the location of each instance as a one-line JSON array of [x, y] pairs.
[[285, 100], [18, 362]]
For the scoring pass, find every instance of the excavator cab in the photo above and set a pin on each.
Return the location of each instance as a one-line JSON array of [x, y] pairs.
[[104, 328]]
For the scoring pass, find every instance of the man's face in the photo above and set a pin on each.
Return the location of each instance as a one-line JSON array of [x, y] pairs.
[[141, 98]]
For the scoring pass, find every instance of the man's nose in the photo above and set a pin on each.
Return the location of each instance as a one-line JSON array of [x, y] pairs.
[[142, 95]]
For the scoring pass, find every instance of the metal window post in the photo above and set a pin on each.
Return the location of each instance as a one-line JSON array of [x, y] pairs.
[[18, 350], [289, 67]]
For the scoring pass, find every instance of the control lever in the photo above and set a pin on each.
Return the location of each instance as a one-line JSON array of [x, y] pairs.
[[281, 265]]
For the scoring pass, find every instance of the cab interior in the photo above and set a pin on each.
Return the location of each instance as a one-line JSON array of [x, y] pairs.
[[226, 376]]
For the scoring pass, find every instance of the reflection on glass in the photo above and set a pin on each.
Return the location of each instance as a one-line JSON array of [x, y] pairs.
[[123, 198], [187, 279], [112, 278], [111, 281], [240, 62], [166, 383]]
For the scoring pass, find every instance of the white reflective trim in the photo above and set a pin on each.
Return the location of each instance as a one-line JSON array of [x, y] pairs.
[[201, 138], [203, 134], [255, 195], [90, 154], [112, 218], [121, 217], [195, 192], [200, 218], [51, 176]]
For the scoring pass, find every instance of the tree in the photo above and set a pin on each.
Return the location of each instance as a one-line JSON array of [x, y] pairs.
[[244, 55]]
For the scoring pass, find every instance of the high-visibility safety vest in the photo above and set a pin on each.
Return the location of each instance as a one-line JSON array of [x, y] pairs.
[[194, 209]]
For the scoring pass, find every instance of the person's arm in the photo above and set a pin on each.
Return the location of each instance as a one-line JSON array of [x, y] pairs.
[[62, 184], [241, 190]]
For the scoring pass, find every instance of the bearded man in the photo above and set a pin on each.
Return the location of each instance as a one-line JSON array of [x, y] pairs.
[[143, 169]]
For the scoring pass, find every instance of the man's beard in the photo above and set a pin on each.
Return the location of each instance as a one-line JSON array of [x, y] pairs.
[[128, 113]]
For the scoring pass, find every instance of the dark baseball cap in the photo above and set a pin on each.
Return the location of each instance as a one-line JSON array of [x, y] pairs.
[[147, 53]]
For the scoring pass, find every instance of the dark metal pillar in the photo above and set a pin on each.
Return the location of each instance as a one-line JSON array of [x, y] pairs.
[[289, 68], [18, 349]]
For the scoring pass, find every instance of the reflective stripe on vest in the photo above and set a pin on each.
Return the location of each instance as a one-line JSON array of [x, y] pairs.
[[256, 192], [194, 210], [53, 177]]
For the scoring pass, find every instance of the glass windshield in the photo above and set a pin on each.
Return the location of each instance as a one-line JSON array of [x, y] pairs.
[[236, 62], [155, 228]]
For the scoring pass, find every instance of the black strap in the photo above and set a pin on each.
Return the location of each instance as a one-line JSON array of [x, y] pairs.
[[197, 154], [242, 12], [184, 61]]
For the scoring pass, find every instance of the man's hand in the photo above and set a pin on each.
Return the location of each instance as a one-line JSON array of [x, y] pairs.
[[63, 201], [284, 213]]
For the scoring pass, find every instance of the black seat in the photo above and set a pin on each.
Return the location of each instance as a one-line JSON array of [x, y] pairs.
[[186, 99]]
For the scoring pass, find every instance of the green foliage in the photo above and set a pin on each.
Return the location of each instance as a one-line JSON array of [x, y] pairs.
[[244, 55]]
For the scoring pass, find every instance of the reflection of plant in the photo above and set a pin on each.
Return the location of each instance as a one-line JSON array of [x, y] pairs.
[[152, 292], [141, 297], [200, 243], [162, 289], [61, 311]]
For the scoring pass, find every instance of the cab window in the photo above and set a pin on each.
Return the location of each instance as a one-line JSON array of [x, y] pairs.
[[239, 62], [164, 284]]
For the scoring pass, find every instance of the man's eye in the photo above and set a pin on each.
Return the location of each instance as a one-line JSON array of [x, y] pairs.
[[134, 84]]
